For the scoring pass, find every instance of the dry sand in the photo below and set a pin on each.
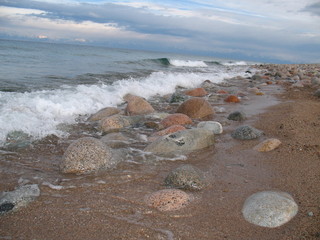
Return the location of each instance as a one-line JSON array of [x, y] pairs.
[[111, 206]]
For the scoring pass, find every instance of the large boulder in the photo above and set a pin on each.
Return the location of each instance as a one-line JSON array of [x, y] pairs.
[[175, 119], [137, 106], [103, 113], [86, 155], [182, 141], [269, 209], [196, 108], [185, 177]]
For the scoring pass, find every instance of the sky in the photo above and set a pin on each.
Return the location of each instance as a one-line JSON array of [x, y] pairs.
[[276, 31]]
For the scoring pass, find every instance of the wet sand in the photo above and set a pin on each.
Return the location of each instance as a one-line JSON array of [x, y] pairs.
[[110, 204]]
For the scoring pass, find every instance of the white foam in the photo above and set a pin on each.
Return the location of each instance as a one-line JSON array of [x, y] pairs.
[[187, 63], [239, 63], [39, 113]]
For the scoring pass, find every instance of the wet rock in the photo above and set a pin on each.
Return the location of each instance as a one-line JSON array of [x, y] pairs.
[[317, 93], [114, 122], [185, 177], [246, 133], [176, 98], [103, 113], [232, 99], [175, 119], [196, 108], [197, 92], [213, 126], [86, 155], [269, 209], [182, 141], [116, 140], [268, 145], [137, 106], [171, 129], [168, 199], [237, 116], [20, 197], [17, 139], [223, 92]]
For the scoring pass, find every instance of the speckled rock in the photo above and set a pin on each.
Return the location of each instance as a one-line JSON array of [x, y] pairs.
[[196, 108], [246, 133], [86, 155], [317, 93], [175, 119], [168, 199], [185, 177], [182, 142], [237, 116], [103, 113], [137, 106], [171, 129], [197, 92], [269, 209], [268, 145], [114, 122], [213, 126]]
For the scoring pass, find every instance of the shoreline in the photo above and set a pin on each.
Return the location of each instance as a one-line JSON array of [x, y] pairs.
[[114, 208]]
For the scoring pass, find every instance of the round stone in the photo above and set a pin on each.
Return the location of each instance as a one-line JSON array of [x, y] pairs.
[[246, 133], [213, 126], [269, 209]]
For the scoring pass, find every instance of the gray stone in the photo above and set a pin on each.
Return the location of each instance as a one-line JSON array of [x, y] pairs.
[[237, 116], [317, 93], [213, 126], [185, 177], [20, 197], [176, 98], [182, 141], [315, 81], [246, 133], [269, 209], [85, 155]]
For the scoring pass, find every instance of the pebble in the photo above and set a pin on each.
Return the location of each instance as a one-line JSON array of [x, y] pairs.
[[268, 145], [246, 133], [237, 116]]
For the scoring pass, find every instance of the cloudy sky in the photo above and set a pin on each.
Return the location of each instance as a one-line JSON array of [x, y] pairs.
[[258, 30]]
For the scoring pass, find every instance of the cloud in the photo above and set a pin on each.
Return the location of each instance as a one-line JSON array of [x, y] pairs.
[[266, 29]]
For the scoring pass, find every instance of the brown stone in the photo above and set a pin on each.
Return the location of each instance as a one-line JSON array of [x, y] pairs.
[[137, 106], [232, 99], [171, 129], [197, 92], [175, 119], [268, 145], [103, 113], [114, 122], [196, 108]]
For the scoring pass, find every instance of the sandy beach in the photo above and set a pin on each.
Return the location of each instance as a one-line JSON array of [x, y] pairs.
[[111, 204]]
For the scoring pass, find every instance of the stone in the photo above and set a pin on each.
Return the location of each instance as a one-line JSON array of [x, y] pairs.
[[171, 129], [114, 123], [315, 81], [185, 177], [196, 108], [175, 119], [197, 92], [246, 133], [137, 106], [213, 126], [237, 116], [182, 141], [168, 199], [116, 140], [86, 155], [232, 99], [269, 209], [103, 113], [317, 93], [20, 197], [176, 98], [268, 145]]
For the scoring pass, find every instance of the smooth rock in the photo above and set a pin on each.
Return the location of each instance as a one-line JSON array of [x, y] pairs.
[[182, 141], [185, 177], [171, 129], [237, 116], [20, 197], [197, 92], [268, 145], [196, 108], [176, 119], [86, 155], [269, 209], [213, 126], [232, 99], [246, 133], [168, 199], [103, 113], [137, 106], [114, 122], [116, 140]]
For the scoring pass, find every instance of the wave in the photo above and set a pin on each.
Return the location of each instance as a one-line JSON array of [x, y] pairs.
[[39, 113], [237, 63]]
